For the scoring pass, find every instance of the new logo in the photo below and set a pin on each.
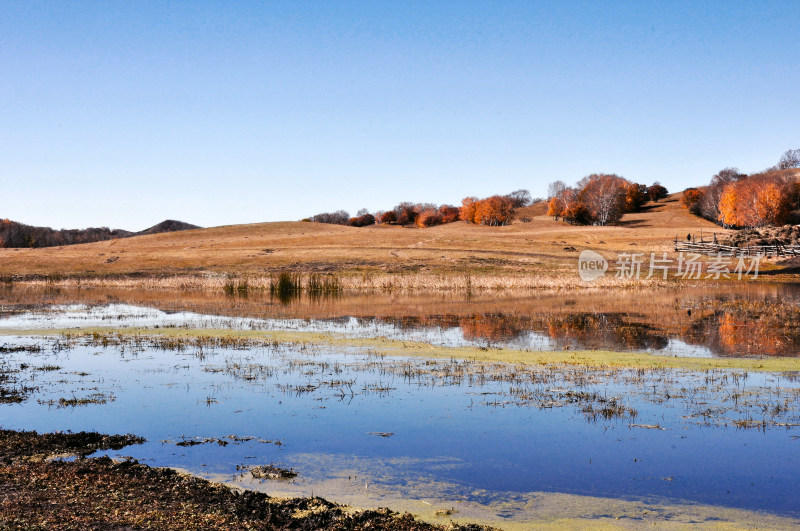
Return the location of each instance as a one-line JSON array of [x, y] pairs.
[[591, 265]]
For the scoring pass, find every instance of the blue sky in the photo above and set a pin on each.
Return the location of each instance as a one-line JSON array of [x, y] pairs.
[[122, 114]]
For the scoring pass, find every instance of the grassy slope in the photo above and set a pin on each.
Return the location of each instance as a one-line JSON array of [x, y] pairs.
[[538, 246]]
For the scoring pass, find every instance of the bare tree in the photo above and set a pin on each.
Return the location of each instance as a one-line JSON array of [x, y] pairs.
[[340, 217], [555, 188], [789, 160], [519, 198]]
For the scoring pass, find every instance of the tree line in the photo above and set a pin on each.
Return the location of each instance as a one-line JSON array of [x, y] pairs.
[[737, 200], [493, 211], [600, 199], [15, 234]]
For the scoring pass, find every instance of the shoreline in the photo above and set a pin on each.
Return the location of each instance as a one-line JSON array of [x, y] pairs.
[[39, 493], [375, 281], [530, 510], [98, 492]]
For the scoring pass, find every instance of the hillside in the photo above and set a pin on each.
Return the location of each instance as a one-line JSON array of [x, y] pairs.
[[15, 234], [168, 225], [541, 246]]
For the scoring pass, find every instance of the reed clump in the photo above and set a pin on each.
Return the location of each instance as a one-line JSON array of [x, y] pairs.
[[286, 286], [473, 282], [323, 285], [239, 287]]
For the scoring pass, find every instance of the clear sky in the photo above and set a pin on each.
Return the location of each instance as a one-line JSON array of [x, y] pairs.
[[123, 114]]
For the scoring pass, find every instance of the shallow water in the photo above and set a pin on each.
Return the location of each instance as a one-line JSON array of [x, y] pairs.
[[737, 319], [438, 430]]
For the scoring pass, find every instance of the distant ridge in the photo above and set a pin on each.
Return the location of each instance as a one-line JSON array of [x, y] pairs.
[[168, 225], [15, 234]]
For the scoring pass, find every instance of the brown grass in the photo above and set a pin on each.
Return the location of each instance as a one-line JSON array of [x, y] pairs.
[[539, 254]]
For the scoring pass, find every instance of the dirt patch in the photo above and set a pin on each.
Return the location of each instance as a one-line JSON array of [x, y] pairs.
[[272, 472], [102, 494], [15, 445]]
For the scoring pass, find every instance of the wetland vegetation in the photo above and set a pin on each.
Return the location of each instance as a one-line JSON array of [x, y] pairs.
[[475, 409]]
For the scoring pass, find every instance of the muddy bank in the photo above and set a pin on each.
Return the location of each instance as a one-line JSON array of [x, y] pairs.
[[29, 445], [98, 493]]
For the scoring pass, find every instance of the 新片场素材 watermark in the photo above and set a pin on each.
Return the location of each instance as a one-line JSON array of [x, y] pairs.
[[633, 266]]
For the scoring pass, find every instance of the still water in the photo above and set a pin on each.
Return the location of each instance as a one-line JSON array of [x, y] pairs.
[[427, 429]]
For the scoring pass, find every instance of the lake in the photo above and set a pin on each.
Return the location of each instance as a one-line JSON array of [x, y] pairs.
[[361, 427]]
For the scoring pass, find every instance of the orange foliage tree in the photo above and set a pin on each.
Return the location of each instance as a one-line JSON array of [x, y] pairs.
[[728, 206], [635, 197], [772, 204], [555, 207], [569, 205], [494, 211], [428, 218], [468, 208], [755, 201], [449, 213], [690, 197]]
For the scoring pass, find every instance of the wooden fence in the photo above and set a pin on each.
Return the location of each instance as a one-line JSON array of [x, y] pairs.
[[715, 249]]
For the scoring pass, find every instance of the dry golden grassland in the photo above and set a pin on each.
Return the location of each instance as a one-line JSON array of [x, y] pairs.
[[539, 254]]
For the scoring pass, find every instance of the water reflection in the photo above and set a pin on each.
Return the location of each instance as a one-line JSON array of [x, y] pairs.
[[485, 431], [736, 320]]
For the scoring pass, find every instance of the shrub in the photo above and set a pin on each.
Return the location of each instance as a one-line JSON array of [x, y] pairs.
[[389, 217], [429, 218], [690, 198], [449, 213], [656, 192], [362, 220]]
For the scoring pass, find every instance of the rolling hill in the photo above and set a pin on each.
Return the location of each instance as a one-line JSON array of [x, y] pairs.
[[541, 246]]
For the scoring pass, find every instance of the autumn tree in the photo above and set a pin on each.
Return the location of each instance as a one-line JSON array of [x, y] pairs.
[[428, 218], [569, 205], [468, 208], [603, 197], [708, 206], [555, 207], [729, 206], [449, 213], [635, 197], [494, 211], [656, 192], [389, 217], [772, 204], [691, 198], [598, 199], [755, 201], [576, 211], [406, 213], [363, 220]]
